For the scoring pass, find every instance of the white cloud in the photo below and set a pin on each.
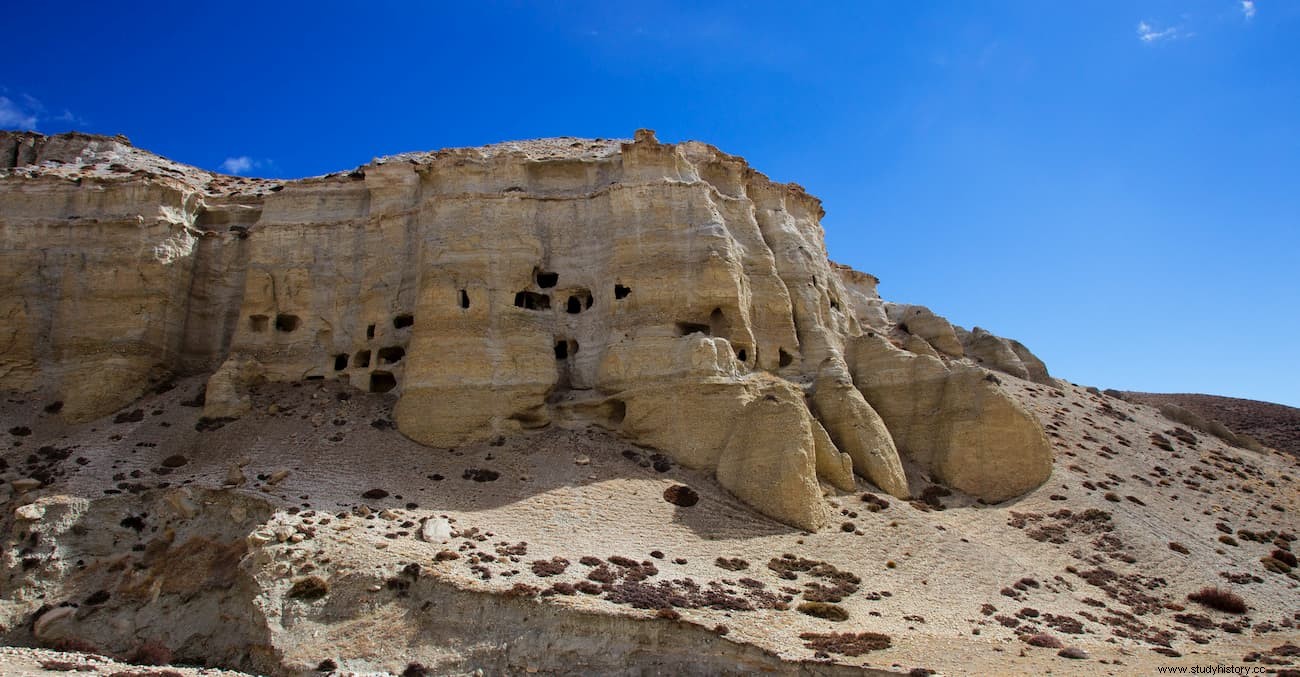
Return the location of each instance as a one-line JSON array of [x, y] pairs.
[[15, 116], [239, 165], [1147, 33], [1248, 8]]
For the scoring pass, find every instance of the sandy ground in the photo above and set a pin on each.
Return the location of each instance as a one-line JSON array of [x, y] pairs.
[[955, 589]]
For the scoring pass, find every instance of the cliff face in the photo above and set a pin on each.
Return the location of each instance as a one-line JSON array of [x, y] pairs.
[[667, 292]]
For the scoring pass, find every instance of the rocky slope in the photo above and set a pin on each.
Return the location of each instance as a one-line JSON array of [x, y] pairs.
[[1274, 425], [814, 481]]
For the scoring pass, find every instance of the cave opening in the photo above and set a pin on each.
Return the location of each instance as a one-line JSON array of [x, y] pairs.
[[547, 280], [370, 331], [361, 359], [391, 354], [382, 381], [403, 321], [340, 362], [532, 301], [621, 292], [464, 299], [741, 354], [574, 306], [258, 323], [783, 358], [686, 328], [286, 323]]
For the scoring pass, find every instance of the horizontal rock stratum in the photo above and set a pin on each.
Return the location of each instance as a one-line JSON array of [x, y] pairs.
[[667, 292]]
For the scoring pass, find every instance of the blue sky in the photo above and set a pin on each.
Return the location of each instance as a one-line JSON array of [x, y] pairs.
[[1116, 184]]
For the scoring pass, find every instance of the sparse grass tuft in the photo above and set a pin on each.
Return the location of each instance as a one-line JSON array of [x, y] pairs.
[[1219, 600]]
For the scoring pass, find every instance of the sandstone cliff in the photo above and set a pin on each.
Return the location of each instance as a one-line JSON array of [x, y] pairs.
[[667, 292]]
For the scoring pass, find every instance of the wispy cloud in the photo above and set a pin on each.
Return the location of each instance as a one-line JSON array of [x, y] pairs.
[[14, 115], [25, 111], [1248, 8], [1149, 34], [238, 165]]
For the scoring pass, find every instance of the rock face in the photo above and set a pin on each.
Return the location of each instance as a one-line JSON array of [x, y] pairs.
[[953, 420], [668, 292]]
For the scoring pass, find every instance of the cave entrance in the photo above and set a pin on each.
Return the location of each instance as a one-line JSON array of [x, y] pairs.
[[382, 381], [532, 301], [286, 323], [687, 328]]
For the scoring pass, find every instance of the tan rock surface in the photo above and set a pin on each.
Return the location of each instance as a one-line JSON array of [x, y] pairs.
[[660, 291], [953, 421]]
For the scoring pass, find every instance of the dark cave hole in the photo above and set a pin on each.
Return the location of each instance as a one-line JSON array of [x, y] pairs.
[[258, 323], [403, 321], [547, 280], [532, 301], [286, 323], [565, 349], [740, 354], [391, 354], [370, 331], [784, 358], [621, 292], [340, 362], [685, 328], [382, 382], [464, 299], [361, 359]]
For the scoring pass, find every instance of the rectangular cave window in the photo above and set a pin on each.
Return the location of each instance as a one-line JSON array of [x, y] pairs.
[[382, 382], [286, 323], [532, 301], [340, 362], [391, 354], [574, 306], [258, 323], [464, 299], [621, 292], [685, 328], [403, 321], [361, 359], [561, 350], [547, 280], [370, 331]]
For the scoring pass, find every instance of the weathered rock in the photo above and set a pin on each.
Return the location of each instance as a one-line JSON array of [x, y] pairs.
[[954, 422], [768, 460], [25, 484], [861, 297], [995, 352], [663, 291], [832, 465], [1005, 355], [857, 429], [436, 530], [921, 321], [227, 391]]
